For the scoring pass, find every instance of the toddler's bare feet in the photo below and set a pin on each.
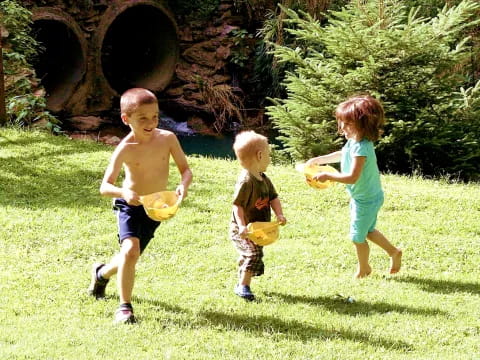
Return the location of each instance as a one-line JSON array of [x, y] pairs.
[[361, 273], [396, 262]]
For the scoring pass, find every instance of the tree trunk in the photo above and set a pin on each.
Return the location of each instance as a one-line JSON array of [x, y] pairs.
[[3, 112]]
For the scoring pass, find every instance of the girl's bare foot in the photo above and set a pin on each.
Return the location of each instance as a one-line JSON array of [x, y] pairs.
[[362, 273], [396, 262]]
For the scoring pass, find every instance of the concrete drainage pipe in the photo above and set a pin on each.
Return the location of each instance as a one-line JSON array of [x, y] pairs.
[[134, 43], [139, 47], [61, 62]]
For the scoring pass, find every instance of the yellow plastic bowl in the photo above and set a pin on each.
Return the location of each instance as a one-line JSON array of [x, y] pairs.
[[310, 171], [263, 233], [160, 206]]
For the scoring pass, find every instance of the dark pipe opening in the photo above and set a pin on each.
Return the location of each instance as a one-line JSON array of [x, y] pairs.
[[60, 63], [140, 49]]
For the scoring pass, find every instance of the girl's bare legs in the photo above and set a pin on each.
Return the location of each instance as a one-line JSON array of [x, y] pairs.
[[363, 253], [395, 253]]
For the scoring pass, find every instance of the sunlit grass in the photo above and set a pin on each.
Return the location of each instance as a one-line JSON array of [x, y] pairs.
[[54, 225]]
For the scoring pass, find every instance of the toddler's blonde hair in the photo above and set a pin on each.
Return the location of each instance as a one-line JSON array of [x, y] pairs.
[[247, 144], [135, 97]]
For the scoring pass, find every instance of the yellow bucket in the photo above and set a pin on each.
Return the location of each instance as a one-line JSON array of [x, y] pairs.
[[263, 233], [160, 206], [310, 171]]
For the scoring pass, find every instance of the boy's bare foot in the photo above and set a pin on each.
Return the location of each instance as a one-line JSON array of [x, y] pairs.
[[362, 274], [396, 262]]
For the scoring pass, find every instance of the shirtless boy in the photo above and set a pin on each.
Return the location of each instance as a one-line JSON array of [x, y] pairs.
[[144, 155]]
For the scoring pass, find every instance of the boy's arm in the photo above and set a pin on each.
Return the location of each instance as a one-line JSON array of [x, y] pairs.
[[334, 157], [277, 209], [182, 165], [239, 214], [108, 187]]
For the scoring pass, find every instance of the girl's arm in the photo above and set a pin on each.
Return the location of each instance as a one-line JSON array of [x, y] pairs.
[[277, 209], [345, 178], [334, 157]]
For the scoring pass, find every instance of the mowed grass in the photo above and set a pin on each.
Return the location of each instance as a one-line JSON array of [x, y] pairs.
[[54, 225]]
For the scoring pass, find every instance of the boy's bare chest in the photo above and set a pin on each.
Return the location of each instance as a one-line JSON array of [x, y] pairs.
[[147, 157]]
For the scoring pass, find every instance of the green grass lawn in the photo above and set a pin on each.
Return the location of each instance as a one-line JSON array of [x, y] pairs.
[[54, 225]]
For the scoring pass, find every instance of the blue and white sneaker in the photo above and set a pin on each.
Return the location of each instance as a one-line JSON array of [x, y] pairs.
[[244, 292]]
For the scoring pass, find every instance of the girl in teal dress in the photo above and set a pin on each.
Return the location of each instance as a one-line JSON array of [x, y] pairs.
[[360, 119]]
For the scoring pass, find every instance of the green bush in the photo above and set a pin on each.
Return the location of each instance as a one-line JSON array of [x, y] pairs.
[[412, 64], [23, 106], [266, 69]]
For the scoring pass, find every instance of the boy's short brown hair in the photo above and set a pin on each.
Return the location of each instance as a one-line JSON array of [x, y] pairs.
[[135, 97], [247, 144]]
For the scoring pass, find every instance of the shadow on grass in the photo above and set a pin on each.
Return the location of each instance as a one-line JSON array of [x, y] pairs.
[[160, 304], [358, 307], [442, 286], [40, 180], [259, 325], [176, 314]]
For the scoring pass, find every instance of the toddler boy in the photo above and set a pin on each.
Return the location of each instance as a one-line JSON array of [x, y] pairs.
[[254, 196]]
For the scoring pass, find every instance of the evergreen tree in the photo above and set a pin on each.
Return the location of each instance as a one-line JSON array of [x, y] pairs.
[[412, 64]]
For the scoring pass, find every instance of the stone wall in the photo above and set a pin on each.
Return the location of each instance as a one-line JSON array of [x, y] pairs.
[[97, 49]]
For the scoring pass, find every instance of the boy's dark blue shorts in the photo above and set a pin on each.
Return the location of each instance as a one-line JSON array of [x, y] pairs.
[[134, 222]]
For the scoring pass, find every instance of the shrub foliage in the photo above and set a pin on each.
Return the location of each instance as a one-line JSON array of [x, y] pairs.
[[23, 106], [414, 65]]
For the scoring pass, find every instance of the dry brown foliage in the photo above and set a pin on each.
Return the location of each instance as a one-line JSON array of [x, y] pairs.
[[222, 102]]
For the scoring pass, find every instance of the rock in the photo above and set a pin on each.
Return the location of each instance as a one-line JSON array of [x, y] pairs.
[[42, 124], [185, 34], [222, 52], [198, 97], [224, 7], [227, 29], [175, 92], [82, 136], [110, 140], [86, 123], [211, 31], [188, 106], [220, 79], [198, 125], [203, 54], [189, 72]]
